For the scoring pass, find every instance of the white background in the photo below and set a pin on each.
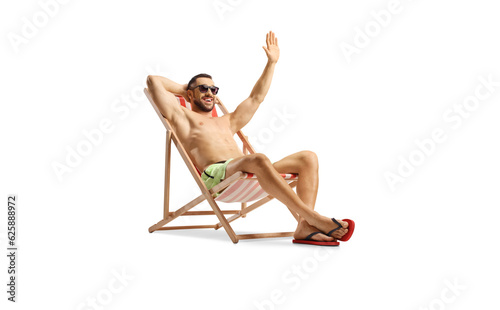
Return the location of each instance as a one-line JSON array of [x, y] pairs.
[[361, 117]]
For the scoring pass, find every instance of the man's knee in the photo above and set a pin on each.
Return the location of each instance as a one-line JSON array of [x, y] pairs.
[[309, 159], [254, 163], [261, 160]]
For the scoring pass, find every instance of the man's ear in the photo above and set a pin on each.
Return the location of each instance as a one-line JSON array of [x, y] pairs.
[[189, 94]]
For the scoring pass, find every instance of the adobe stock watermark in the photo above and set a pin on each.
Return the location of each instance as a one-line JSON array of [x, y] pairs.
[[279, 121], [30, 27], [293, 278], [363, 35], [121, 108], [106, 295], [449, 294], [453, 117], [224, 6]]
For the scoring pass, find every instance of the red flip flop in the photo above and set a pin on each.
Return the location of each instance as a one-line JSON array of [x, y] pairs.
[[308, 240], [350, 229]]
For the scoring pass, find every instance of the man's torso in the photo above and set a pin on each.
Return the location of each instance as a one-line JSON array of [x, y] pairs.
[[206, 139]]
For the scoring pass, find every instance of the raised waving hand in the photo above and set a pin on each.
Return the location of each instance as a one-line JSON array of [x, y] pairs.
[[272, 50]]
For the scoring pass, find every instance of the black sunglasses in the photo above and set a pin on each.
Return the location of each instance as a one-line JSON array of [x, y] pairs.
[[204, 88]]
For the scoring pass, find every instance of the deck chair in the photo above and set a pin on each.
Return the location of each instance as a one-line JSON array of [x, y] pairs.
[[240, 187]]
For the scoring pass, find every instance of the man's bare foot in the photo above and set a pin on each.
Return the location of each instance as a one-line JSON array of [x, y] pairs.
[[326, 225], [304, 229]]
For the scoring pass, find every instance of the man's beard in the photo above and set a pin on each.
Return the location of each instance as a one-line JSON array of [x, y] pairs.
[[203, 107]]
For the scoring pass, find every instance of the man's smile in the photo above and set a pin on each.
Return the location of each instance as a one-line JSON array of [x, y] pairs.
[[207, 100]]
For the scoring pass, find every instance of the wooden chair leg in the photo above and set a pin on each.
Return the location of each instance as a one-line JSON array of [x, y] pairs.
[[222, 219], [166, 190], [177, 213], [243, 206]]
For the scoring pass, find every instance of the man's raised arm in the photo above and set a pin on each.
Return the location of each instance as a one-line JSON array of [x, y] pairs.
[[245, 111], [163, 92]]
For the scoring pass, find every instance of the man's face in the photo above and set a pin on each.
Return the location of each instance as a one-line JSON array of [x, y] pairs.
[[204, 101]]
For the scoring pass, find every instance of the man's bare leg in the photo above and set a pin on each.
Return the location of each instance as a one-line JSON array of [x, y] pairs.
[[272, 182], [305, 164]]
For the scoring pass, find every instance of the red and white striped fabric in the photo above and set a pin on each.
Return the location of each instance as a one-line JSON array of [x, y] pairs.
[[183, 102], [247, 189]]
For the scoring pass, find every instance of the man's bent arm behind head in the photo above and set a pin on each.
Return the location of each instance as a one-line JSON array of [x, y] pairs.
[[169, 85], [162, 90]]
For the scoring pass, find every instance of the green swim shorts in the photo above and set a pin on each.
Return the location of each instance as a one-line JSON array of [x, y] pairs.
[[214, 174]]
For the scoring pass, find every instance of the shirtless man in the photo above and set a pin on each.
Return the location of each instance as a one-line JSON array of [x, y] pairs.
[[209, 140]]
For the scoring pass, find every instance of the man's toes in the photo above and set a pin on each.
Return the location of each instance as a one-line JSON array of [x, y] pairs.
[[344, 224], [340, 233], [342, 230]]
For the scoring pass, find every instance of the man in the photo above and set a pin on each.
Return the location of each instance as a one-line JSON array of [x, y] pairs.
[[210, 144]]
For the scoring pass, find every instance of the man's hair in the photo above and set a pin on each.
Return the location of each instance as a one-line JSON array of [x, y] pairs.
[[192, 82]]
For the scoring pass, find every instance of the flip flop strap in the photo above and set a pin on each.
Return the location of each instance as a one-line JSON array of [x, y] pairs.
[[335, 221], [312, 234]]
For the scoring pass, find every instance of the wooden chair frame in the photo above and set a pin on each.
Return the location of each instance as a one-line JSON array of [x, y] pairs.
[[208, 194]]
